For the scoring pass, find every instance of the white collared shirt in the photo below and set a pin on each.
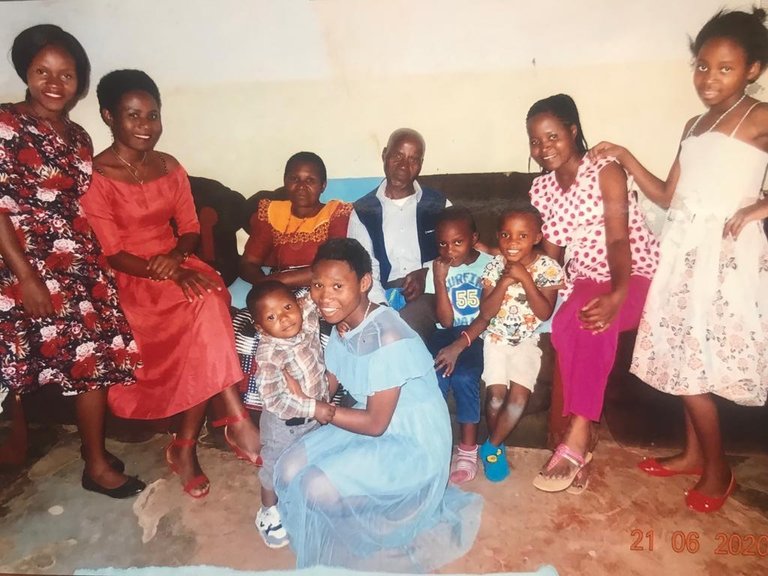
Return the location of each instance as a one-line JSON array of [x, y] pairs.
[[401, 238]]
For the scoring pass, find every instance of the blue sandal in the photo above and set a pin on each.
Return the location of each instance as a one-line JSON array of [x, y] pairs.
[[494, 460]]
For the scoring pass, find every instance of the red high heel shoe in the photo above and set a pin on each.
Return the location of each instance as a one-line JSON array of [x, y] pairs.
[[195, 482], [701, 503], [239, 452]]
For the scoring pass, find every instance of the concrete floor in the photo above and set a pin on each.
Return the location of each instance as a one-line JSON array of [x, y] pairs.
[[49, 525]]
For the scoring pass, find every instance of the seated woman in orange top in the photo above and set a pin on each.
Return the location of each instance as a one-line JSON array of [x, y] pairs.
[[177, 306], [285, 236]]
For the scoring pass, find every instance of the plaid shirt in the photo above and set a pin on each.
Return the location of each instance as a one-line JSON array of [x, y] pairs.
[[302, 355]]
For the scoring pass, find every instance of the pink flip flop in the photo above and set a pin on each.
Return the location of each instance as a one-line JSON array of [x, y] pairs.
[[548, 484], [581, 480]]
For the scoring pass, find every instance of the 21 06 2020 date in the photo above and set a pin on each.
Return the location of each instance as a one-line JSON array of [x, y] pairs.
[[682, 542]]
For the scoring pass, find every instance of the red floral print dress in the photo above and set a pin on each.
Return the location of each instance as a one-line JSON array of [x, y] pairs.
[[87, 343]]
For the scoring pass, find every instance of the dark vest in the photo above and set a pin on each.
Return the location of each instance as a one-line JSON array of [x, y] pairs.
[[369, 211]]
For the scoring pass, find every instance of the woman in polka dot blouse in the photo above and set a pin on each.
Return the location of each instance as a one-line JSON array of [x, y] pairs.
[[593, 225]]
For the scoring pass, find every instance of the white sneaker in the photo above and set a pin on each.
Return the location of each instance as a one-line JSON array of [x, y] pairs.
[[271, 528]]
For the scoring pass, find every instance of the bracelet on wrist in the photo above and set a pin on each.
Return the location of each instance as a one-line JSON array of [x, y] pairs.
[[466, 336]]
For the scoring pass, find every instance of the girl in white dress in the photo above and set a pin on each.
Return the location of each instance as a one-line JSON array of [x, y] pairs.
[[704, 328]]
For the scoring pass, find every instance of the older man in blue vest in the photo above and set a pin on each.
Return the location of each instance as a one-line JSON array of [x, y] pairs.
[[396, 224]]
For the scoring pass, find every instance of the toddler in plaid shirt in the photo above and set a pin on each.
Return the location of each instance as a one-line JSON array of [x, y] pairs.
[[294, 388]]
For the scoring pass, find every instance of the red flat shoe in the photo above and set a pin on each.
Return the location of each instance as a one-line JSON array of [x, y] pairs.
[[700, 503], [239, 452], [653, 467], [195, 482]]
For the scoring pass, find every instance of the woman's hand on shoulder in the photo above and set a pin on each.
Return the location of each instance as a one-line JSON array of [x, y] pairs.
[[606, 149], [193, 283]]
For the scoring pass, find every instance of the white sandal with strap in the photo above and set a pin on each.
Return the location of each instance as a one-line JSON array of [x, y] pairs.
[[464, 466]]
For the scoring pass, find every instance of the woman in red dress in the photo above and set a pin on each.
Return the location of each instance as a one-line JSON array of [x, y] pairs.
[[60, 321], [177, 306]]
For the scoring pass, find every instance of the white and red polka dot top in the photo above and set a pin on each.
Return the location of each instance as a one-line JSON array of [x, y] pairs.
[[574, 219]]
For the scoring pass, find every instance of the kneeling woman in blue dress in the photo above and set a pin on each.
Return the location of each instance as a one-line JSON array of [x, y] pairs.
[[369, 491]]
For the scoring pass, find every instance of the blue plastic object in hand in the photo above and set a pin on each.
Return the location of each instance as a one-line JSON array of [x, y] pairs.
[[395, 298]]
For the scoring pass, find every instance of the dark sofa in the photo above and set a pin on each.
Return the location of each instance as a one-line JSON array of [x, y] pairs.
[[635, 413], [486, 195]]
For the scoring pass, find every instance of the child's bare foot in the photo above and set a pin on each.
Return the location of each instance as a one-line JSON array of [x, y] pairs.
[[182, 460]]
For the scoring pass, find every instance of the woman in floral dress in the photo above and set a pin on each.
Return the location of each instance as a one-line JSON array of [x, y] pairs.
[[60, 321]]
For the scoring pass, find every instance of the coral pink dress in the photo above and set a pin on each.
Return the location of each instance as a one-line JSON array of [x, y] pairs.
[[188, 348]]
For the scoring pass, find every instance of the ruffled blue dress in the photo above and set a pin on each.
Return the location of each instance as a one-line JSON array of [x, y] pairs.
[[378, 503]]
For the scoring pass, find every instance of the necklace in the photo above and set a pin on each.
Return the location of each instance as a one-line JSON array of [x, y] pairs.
[[132, 170], [367, 310], [723, 115]]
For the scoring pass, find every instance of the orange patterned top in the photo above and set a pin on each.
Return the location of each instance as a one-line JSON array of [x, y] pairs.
[[281, 240]]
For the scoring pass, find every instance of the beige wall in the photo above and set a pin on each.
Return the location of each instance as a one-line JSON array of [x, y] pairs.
[[246, 83]]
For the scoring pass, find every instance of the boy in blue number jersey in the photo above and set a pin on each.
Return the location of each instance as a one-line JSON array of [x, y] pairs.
[[455, 279]]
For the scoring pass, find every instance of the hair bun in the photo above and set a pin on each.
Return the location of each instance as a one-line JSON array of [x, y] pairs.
[[759, 14]]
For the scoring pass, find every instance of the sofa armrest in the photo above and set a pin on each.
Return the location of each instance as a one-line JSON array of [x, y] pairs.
[[219, 210]]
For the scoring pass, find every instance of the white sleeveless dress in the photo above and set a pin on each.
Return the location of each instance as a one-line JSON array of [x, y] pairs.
[[705, 323]]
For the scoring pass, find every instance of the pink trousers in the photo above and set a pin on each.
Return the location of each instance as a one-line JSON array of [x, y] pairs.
[[586, 359]]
